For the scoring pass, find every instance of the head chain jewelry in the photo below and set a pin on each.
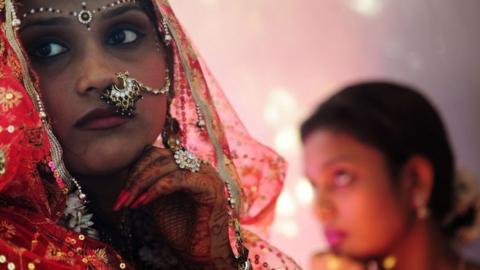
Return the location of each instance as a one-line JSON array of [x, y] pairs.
[[85, 16]]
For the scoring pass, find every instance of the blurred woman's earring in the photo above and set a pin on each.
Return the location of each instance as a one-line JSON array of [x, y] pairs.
[[422, 209], [423, 212]]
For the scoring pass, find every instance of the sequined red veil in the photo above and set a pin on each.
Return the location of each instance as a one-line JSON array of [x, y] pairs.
[[31, 200]]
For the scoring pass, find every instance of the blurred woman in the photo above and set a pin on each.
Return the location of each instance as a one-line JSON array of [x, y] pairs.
[[387, 193]]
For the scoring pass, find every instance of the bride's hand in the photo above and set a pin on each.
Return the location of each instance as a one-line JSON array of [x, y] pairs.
[[189, 208]]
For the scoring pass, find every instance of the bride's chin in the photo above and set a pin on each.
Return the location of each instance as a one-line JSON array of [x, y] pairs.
[[98, 169], [100, 164]]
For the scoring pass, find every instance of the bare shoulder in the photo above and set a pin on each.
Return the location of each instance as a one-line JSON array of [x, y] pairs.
[[472, 266]]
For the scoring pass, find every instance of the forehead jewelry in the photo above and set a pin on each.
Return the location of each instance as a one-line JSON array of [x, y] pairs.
[[126, 91], [83, 16]]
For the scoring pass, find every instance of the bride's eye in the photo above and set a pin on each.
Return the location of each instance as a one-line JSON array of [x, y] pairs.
[[48, 50], [122, 37]]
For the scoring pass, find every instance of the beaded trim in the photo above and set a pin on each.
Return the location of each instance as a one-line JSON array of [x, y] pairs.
[[84, 16]]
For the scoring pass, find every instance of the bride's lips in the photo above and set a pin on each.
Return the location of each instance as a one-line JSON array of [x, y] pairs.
[[101, 118]]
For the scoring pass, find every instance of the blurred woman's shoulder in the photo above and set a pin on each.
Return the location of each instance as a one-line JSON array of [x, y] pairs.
[[330, 261], [472, 266]]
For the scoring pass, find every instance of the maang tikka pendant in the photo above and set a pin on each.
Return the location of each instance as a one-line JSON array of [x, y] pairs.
[[123, 94]]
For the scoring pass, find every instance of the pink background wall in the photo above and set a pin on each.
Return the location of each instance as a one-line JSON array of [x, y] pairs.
[[276, 59]]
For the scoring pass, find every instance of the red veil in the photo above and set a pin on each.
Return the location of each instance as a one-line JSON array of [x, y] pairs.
[[32, 198]]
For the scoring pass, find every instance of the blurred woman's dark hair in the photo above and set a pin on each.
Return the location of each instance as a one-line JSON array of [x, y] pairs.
[[399, 122]]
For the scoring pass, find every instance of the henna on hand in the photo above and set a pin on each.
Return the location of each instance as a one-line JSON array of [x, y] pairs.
[[189, 209]]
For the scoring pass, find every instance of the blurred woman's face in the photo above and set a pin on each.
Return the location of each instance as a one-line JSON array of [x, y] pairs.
[[75, 64], [362, 212]]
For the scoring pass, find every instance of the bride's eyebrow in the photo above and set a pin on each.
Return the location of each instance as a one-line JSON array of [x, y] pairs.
[[52, 21], [120, 10], [67, 19]]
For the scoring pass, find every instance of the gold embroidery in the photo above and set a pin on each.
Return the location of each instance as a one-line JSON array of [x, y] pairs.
[[53, 253], [9, 98], [2, 49], [3, 163], [13, 63], [34, 136], [7, 230], [102, 255]]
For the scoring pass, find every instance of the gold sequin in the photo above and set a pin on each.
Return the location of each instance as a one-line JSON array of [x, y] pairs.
[[389, 263], [31, 266], [14, 64], [85, 260], [70, 240], [10, 129], [11, 266], [3, 259], [81, 237], [123, 266]]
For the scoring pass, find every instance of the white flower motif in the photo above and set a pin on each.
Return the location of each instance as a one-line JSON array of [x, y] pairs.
[[76, 218]]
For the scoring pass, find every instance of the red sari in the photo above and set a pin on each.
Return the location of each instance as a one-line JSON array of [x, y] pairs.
[[33, 197]]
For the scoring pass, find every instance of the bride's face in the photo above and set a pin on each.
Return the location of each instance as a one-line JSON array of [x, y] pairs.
[[75, 62]]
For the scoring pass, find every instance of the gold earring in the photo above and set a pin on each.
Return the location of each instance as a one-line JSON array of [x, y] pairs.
[[423, 212]]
